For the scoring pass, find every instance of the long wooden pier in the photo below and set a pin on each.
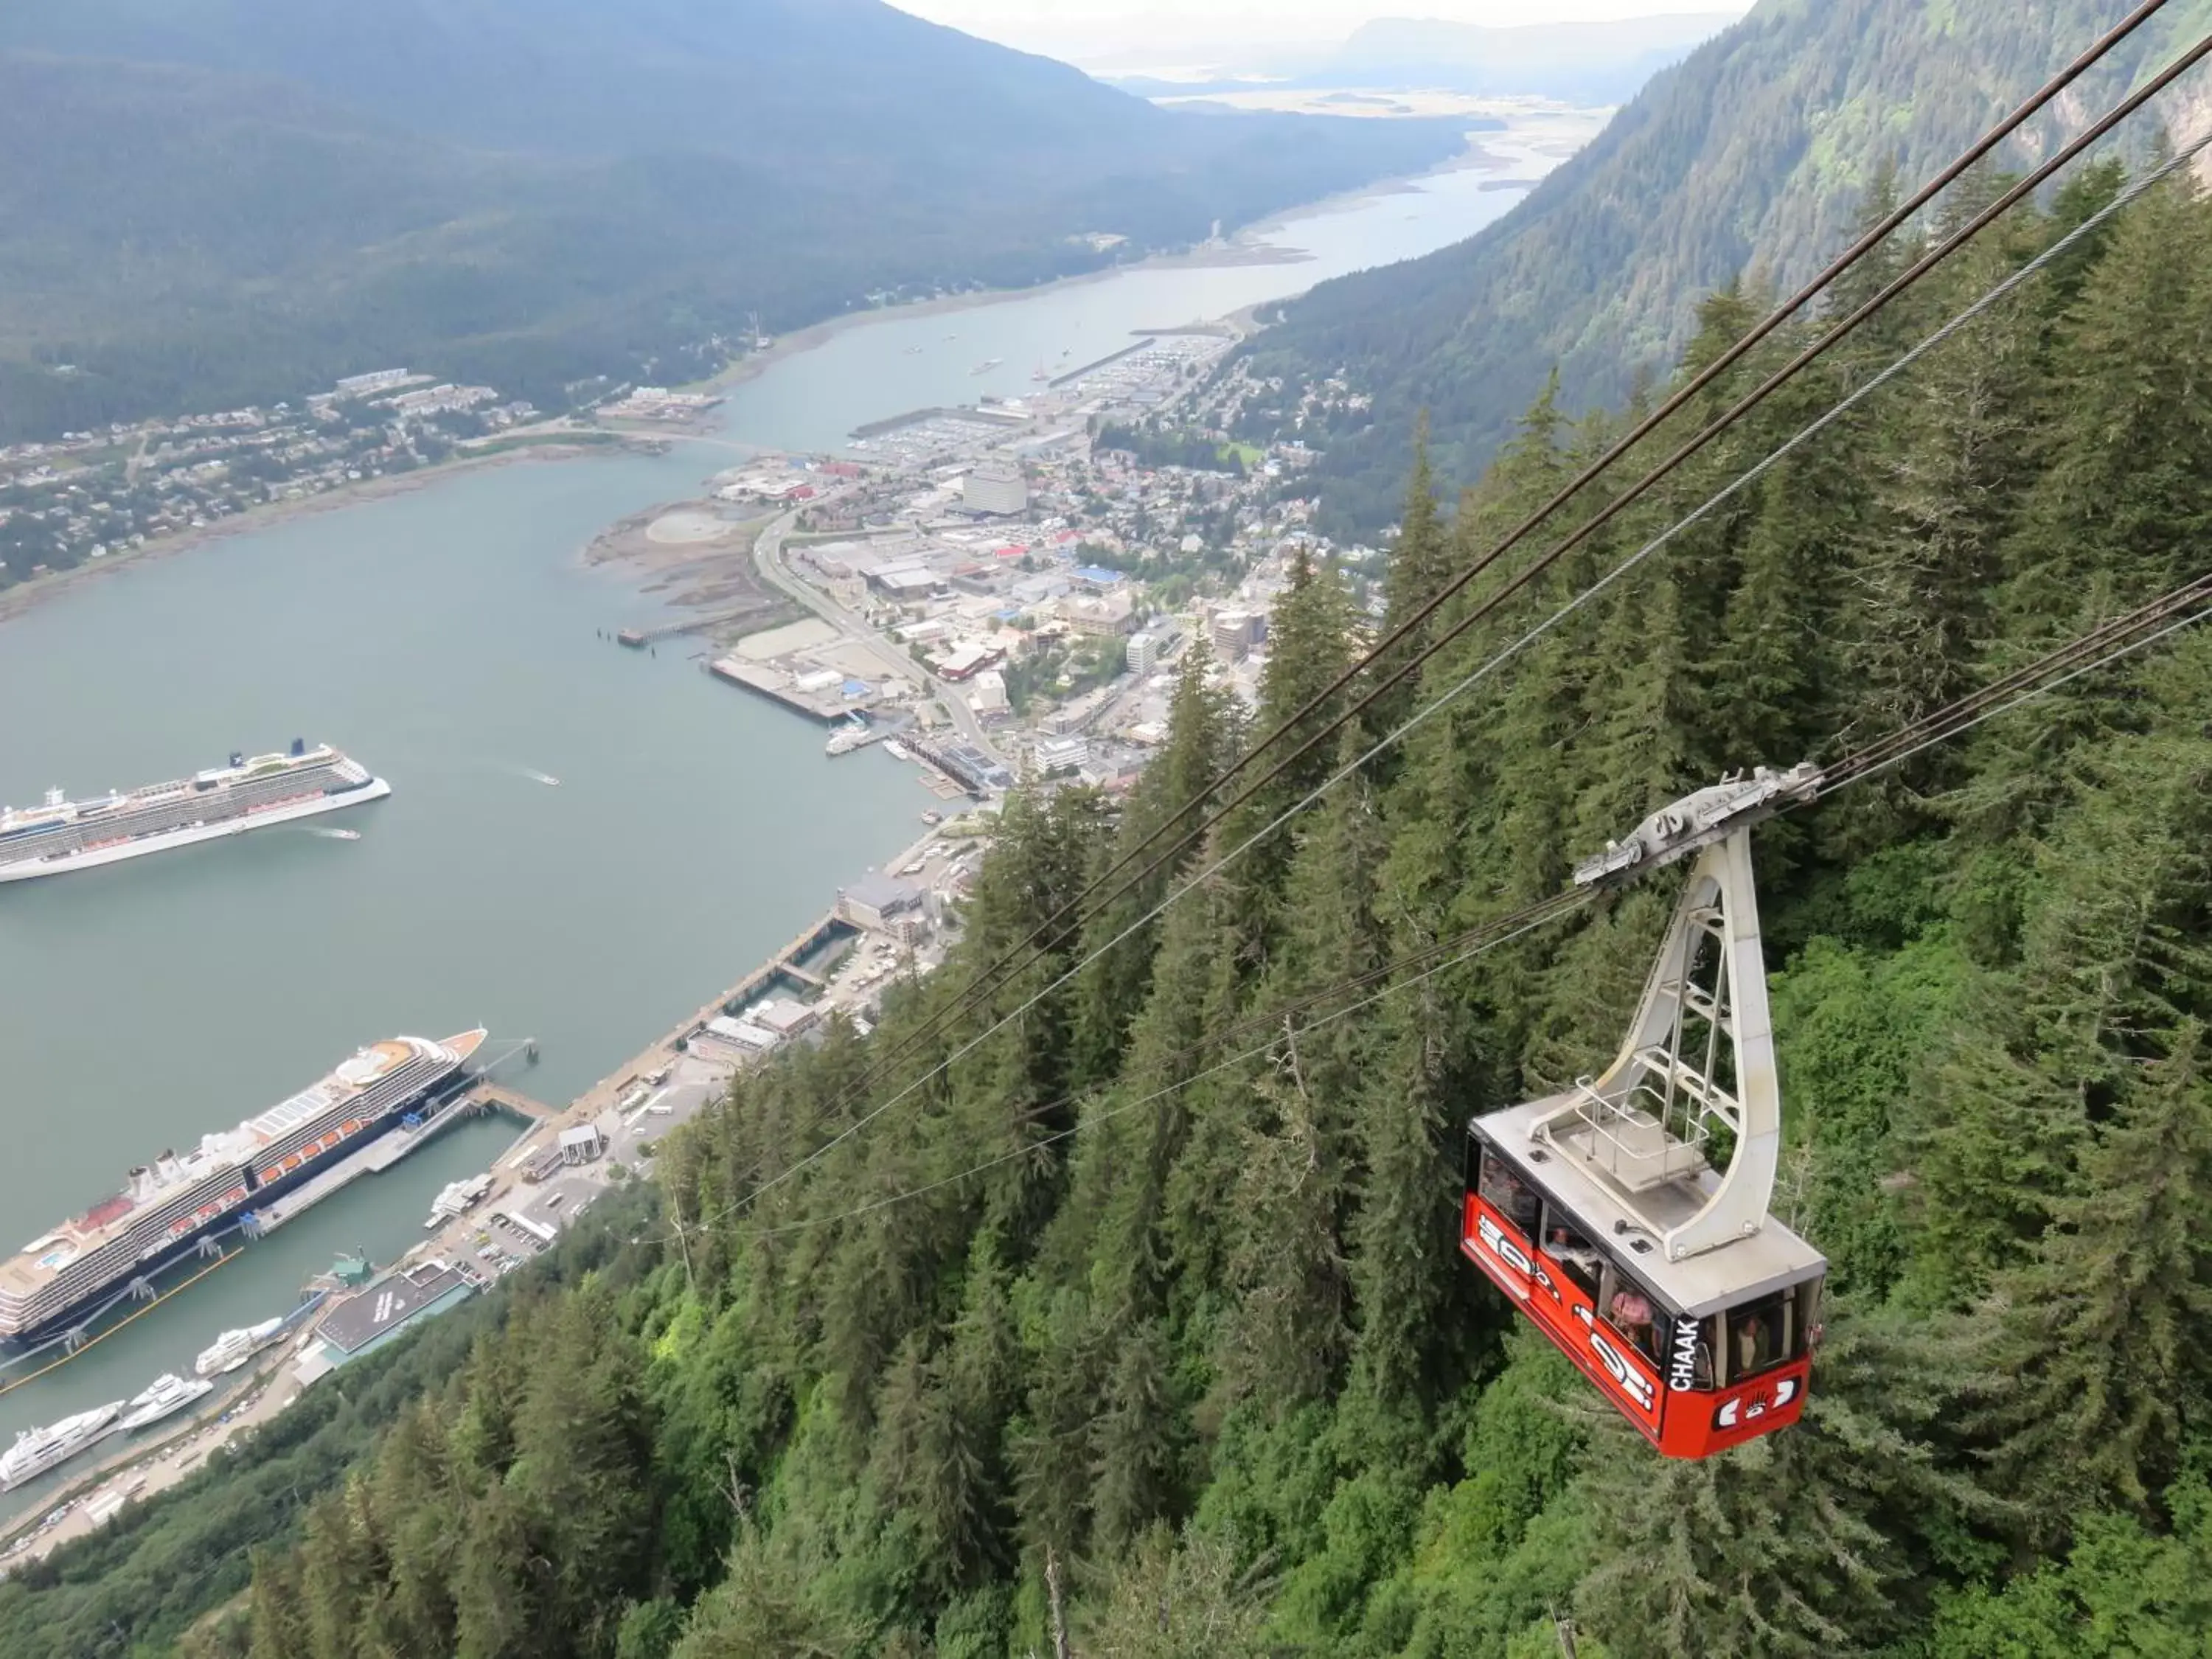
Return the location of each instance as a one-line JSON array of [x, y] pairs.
[[638, 638]]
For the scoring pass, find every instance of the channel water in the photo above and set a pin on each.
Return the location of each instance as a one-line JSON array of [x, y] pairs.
[[449, 638]]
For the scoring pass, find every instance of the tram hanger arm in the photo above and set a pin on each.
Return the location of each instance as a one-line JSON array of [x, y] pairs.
[[1699, 819]]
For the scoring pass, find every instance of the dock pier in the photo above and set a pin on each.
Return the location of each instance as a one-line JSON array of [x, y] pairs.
[[497, 1097], [782, 965], [638, 638]]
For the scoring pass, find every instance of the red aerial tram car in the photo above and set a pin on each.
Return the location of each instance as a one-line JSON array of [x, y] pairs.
[[1628, 1215]]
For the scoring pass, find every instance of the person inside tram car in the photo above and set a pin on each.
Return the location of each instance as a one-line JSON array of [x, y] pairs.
[[1630, 1314], [1565, 1245], [1763, 1334], [1754, 1348], [1505, 1192]]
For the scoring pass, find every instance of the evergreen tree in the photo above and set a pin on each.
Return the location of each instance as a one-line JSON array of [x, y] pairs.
[[1136, 1459], [2111, 1374]]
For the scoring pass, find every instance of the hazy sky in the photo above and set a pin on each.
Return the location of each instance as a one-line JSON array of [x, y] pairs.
[[1098, 27]]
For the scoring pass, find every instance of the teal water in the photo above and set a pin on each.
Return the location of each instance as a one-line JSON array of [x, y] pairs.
[[813, 401], [447, 639]]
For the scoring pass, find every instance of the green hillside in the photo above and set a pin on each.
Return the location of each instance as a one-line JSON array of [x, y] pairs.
[[1114, 1304], [1753, 156], [212, 202]]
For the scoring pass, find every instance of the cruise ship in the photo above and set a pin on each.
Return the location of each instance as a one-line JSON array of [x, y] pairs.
[[169, 1394], [168, 1206], [249, 793], [234, 1348], [37, 1450]]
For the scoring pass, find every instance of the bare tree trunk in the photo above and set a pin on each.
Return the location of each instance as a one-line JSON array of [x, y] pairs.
[[1059, 1648]]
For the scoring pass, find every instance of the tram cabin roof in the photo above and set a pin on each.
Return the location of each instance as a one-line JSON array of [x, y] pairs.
[[1771, 1260]]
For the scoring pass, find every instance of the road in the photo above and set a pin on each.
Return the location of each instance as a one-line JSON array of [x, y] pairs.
[[767, 556]]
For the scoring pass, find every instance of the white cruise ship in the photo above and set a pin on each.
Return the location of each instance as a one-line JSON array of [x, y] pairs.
[[37, 1450], [169, 1394], [66, 1274], [234, 1348], [249, 793]]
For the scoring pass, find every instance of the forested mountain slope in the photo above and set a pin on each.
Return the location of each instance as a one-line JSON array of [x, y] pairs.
[[213, 201], [1753, 154], [1116, 1302]]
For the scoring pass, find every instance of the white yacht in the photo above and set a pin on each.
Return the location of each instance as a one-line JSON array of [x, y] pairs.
[[234, 1348], [37, 1450], [169, 1394]]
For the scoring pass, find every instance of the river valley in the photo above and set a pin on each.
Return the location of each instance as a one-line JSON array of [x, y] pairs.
[[449, 638]]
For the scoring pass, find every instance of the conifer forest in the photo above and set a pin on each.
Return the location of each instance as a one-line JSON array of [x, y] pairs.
[[1120, 1310]]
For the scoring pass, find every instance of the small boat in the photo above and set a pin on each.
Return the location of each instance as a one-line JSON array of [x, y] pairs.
[[914, 351], [169, 1394], [339, 835], [545, 778], [234, 1348], [932, 818], [1041, 375], [987, 365], [456, 1199], [897, 750]]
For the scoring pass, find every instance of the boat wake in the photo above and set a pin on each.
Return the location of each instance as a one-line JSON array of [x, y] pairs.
[[537, 776], [336, 835]]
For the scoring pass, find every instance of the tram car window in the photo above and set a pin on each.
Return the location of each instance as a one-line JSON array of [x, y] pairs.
[[1507, 1193]]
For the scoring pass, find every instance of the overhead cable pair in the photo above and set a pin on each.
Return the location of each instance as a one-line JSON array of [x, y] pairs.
[[1920, 269]]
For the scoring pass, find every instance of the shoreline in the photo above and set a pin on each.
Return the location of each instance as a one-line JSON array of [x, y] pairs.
[[28, 596], [1242, 248]]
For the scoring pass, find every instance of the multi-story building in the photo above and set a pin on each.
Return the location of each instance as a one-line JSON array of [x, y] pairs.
[[996, 487], [1234, 633]]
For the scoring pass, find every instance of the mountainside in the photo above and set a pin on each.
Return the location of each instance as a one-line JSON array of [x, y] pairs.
[[213, 201], [1120, 1311], [1755, 154]]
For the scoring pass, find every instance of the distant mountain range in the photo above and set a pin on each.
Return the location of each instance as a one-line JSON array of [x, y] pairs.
[[1585, 64], [1575, 63], [209, 202], [1758, 149]]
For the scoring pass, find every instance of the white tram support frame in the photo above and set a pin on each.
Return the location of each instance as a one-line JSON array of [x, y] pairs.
[[1699, 1056]]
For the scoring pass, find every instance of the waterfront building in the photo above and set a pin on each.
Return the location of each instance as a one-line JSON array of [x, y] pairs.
[[582, 1144], [876, 900], [379, 1313], [785, 1017]]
